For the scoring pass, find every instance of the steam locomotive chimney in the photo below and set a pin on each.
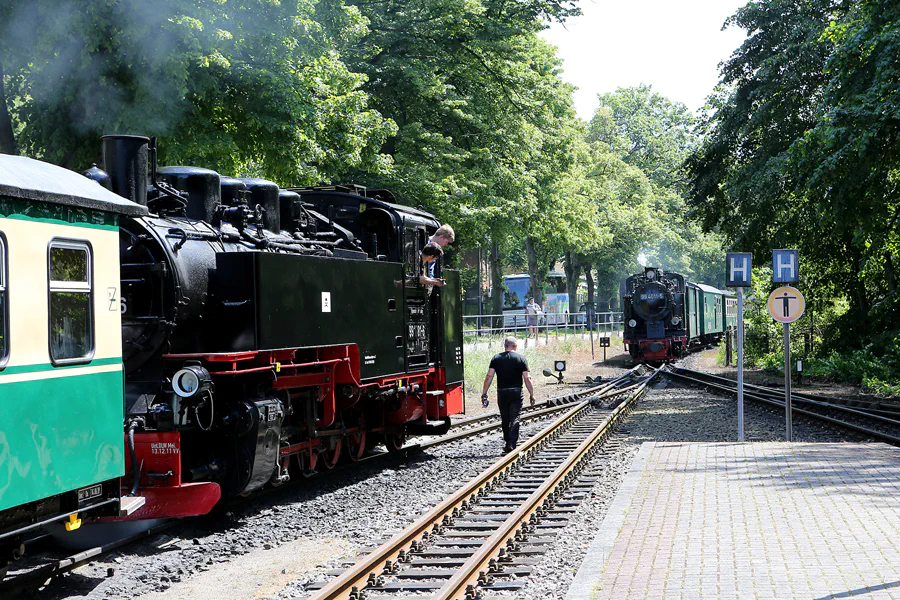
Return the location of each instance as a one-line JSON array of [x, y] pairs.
[[125, 159]]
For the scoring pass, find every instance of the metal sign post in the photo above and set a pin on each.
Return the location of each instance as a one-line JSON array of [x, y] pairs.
[[604, 343], [788, 409], [738, 271], [740, 363], [786, 305]]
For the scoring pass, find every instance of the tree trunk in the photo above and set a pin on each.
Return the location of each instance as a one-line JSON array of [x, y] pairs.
[[537, 285], [571, 269], [590, 282], [496, 284], [7, 139]]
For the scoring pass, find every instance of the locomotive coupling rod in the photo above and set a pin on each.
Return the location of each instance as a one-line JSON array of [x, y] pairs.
[[356, 576]]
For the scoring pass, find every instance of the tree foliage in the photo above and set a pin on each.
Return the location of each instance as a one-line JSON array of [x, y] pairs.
[[802, 148], [640, 141], [246, 87]]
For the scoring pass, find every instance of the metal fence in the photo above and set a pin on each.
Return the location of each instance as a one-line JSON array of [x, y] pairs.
[[479, 328]]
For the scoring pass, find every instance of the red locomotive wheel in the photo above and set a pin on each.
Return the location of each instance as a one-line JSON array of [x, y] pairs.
[[330, 457], [394, 441], [356, 442]]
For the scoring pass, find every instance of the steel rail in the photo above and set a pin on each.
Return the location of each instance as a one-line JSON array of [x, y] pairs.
[[350, 583], [802, 397], [774, 394], [536, 414], [478, 568], [895, 440], [42, 574], [550, 402]]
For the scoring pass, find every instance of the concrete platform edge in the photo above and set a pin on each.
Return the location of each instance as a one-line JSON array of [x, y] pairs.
[[583, 586]]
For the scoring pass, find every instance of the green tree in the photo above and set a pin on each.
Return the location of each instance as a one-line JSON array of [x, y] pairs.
[[641, 140], [648, 131], [802, 151], [249, 87]]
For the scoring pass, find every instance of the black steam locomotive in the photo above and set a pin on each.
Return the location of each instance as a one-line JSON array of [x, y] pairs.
[[665, 315], [270, 332]]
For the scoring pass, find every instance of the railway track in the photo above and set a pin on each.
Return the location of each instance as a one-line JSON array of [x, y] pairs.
[[876, 423], [484, 537], [37, 576]]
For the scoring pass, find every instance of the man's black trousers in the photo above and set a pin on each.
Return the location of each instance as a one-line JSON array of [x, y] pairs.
[[509, 401]]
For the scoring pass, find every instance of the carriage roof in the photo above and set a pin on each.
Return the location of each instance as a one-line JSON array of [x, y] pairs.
[[38, 181], [711, 290]]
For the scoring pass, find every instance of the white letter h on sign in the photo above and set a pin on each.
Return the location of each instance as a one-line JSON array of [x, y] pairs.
[[736, 269], [782, 266]]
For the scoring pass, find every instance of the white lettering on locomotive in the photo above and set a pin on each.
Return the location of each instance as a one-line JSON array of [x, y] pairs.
[[163, 448]]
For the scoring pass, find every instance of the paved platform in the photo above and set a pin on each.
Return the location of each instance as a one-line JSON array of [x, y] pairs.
[[753, 520]]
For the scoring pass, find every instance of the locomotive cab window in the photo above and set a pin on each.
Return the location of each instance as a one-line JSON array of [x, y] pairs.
[[4, 305], [71, 302]]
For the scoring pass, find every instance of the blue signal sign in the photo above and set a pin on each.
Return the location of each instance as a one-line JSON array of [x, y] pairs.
[[738, 269], [785, 266]]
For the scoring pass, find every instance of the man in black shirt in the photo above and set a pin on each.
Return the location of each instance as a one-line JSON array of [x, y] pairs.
[[511, 369]]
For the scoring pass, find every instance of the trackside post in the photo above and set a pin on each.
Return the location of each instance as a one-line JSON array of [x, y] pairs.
[[738, 269], [786, 304]]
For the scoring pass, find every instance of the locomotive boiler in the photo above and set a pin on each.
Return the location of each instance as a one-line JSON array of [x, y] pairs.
[[268, 333]]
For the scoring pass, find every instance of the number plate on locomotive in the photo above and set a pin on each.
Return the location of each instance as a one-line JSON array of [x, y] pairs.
[[88, 493]]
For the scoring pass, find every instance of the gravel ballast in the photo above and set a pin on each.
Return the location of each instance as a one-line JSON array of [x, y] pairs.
[[355, 507]]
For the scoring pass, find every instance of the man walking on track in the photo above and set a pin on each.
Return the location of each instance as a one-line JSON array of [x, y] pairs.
[[511, 369]]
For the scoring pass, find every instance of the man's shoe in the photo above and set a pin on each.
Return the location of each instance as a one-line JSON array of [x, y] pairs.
[[506, 450]]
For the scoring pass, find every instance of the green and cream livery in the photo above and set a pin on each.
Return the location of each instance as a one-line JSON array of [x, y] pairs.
[[61, 379]]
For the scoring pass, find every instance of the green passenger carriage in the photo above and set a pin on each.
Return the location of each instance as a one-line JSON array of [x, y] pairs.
[[710, 312], [61, 378]]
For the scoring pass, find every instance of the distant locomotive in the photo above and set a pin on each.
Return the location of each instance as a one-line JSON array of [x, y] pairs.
[[666, 315], [262, 334]]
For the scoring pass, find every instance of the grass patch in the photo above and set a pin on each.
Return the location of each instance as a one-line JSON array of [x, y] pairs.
[[477, 360]]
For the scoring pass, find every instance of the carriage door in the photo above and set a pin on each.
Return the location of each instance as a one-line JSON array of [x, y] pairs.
[[415, 298]]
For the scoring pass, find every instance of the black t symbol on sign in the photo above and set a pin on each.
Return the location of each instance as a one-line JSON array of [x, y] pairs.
[[787, 303]]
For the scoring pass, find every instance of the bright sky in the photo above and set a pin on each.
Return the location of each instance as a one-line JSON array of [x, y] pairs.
[[673, 45]]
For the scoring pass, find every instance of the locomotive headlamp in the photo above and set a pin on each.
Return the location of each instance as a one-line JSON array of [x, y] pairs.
[[632, 323], [559, 365], [676, 320], [191, 381], [651, 274]]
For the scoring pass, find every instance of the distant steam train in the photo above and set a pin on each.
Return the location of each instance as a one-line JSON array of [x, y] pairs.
[[665, 315], [258, 333]]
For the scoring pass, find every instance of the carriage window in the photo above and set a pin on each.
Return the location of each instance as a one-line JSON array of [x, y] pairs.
[[4, 305], [71, 306]]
